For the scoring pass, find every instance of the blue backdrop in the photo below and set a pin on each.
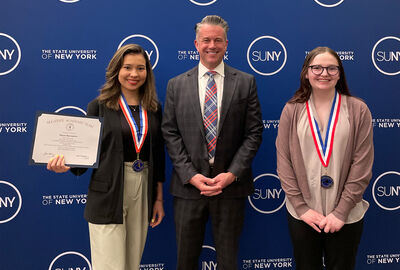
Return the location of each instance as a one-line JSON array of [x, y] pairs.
[[53, 55]]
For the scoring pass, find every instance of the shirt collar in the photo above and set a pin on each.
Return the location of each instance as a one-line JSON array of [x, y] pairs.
[[220, 69]]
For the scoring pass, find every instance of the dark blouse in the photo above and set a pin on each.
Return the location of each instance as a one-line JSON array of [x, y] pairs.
[[129, 146]]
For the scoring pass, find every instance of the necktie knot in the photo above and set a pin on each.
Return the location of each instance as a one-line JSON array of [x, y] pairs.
[[211, 73]]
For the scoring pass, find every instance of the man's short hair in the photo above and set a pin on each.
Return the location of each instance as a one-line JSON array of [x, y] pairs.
[[213, 20]]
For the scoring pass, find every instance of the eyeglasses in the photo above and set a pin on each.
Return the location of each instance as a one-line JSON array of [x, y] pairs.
[[318, 70]]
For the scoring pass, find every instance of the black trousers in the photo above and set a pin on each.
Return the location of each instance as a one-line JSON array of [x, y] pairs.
[[191, 216], [336, 250]]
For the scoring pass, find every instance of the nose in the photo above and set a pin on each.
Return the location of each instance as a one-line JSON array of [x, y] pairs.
[[325, 71], [133, 72], [212, 44]]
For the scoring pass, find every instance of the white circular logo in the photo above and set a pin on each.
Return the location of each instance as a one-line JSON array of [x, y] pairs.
[[10, 201], [70, 258], [328, 5], [386, 55], [69, 1], [205, 3], [266, 55], [70, 108], [147, 44], [268, 196], [10, 54], [207, 258], [386, 194]]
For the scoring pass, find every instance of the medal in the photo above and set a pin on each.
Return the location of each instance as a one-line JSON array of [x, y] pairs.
[[324, 149], [326, 181], [138, 135], [138, 164]]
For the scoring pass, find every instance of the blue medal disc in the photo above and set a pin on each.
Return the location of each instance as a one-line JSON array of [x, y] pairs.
[[138, 165], [326, 181]]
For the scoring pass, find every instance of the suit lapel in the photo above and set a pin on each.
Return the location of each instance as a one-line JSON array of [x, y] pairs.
[[114, 123], [229, 90], [194, 99]]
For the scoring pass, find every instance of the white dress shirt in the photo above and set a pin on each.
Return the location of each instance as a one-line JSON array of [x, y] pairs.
[[219, 80]]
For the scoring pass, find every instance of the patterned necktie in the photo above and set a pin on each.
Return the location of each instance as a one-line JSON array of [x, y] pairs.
[[210, 116]]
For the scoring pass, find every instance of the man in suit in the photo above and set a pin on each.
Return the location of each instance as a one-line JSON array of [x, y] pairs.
[[212, 127]]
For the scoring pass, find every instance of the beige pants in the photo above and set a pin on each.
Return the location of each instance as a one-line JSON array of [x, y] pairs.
[[120, 246]]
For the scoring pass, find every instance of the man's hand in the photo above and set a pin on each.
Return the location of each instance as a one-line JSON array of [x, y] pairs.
[[206, 185], [224, 179]]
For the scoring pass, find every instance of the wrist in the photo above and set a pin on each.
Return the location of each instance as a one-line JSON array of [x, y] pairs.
[[234, 178]]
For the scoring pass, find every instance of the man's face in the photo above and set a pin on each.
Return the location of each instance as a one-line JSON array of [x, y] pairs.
[[211, 45]]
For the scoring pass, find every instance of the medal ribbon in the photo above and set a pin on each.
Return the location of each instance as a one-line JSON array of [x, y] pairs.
[[138, 136], [324, 150]]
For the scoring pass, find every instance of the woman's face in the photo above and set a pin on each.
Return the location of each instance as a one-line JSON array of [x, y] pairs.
[[132, 74], [324, 81]]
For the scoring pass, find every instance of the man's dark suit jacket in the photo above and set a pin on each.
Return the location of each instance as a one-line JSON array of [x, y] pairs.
[[106, 188], [239, 133]]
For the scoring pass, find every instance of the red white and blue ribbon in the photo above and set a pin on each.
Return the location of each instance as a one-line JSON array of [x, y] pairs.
[[324, 149], [138, 135]]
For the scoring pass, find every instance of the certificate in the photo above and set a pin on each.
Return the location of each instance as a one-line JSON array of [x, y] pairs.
[[75, 137]]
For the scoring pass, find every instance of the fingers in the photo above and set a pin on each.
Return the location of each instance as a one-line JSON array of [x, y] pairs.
[[57, 164], [158, 214], [209, 181], [210, 193], [333, 224], [210, 190], [326, 225], [327, 228], [155, 221], [313, 219], [330, 228], [224, 179], [315, 227], [204, 187], [322, 224]]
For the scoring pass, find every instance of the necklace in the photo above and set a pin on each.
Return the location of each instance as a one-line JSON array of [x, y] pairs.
[[134, 107]]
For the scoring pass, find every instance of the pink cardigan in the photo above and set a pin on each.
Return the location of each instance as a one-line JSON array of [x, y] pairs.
[[357, 164]]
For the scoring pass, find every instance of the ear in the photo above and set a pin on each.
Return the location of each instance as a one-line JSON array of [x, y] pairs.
[[196, 44]]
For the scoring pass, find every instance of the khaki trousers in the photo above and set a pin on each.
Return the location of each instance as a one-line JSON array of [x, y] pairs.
[[120, 246]]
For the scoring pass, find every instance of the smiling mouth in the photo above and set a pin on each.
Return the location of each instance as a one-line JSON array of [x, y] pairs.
[[133, 82]]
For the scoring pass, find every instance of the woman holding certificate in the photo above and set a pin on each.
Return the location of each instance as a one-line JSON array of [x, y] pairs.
[[324, 161], [125, 192]]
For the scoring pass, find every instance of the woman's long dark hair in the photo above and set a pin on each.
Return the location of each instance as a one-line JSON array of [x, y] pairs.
[[111, 90]]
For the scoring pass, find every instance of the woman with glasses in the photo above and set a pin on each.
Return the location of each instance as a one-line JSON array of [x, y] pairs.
[[324, 161]]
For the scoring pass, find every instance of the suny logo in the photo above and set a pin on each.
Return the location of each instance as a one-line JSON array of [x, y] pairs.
[[10, 201], [328, 3], [207, 258], [386, 191], [69, 1], [70, 260], [71, 108], [268, 196], [386, 55], [266, 55], [10, 54], [147, 44], [203, 3]]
